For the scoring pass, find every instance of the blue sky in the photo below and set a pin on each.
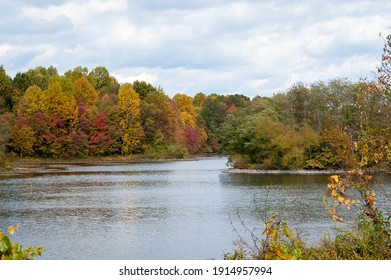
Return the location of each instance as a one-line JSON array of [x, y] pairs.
[[247, 47]]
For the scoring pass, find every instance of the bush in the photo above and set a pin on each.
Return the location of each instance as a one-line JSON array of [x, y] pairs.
[[5, 163], [15, 251], [368, 239]]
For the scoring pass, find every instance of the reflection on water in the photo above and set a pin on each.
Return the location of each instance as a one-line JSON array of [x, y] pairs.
[[169, 210]]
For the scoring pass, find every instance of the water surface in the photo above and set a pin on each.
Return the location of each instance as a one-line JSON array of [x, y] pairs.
[[168, 210]]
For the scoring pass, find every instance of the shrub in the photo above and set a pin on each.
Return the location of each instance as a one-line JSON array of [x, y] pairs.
[[15, 251], [369, 237]]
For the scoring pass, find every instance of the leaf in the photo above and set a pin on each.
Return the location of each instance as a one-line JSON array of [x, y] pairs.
[[11, 230], [5, 244], [335, 178]]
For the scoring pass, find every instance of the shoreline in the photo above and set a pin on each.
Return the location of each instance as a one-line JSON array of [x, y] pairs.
[[39, 165], [299, 171], [284, 172]]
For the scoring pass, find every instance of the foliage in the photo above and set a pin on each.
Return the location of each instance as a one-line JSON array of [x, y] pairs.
[[85, 92], [6, 102], [88, 113], [129, 106], [278, 242], [369, 236], [15, 251]]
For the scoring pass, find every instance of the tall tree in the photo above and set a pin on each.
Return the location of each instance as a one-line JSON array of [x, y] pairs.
[[99, 77], [40, 76], [157, 118], [23, 137], [143, 88], [85, 92], [6, 92], [76, 73], [186, 108], [129, 106]]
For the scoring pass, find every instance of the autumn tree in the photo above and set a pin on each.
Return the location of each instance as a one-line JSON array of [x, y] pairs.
[[157, 118], [129, 106], [23, 137], [373, 143], [335, 147], [57, 102], [85, 92], [6, 124], [198, 101], [186, 108], [99, 141], [32, 101], [6, 92]]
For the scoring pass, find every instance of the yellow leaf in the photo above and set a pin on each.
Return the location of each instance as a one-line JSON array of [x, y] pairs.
[[11, 230], [335, 178], [368, 177]]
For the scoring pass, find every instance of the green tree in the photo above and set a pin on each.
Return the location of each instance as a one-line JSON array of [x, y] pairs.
[[21, 82], [6, 92], [40, 76], [143, 88], [99, 77], [198, 101], [76, 73], [298, 96]]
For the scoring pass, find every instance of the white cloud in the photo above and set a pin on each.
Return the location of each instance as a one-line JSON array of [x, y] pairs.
[[248, 47], [141, 75], [103, 6], [5, 50]]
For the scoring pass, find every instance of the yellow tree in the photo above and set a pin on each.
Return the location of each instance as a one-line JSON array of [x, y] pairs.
[[186, 108], [32, 101], [85, 92], [56, 102], [23, 137], [129, 106]]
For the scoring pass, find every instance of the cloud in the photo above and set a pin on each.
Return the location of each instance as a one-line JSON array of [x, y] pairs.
[[248, 47], [140, 75]]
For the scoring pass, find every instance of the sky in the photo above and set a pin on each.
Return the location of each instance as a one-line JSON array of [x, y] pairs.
[[211, 46]]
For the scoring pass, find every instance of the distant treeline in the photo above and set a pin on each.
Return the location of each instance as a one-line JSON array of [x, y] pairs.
[[88, 113]]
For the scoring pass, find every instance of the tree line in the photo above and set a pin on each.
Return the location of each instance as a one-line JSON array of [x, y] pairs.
[[88, 113]]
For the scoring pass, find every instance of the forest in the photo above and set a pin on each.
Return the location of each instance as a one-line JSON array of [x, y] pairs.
[[88, 113], [335, 124]]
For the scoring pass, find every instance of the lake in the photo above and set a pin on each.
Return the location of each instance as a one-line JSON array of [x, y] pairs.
[[168, 210]]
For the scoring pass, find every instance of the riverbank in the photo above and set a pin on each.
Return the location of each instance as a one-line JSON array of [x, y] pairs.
[[301, 171], [39, 165], [295, 172]]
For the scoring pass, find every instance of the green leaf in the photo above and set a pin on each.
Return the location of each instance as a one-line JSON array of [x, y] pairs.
[[5, 244]]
